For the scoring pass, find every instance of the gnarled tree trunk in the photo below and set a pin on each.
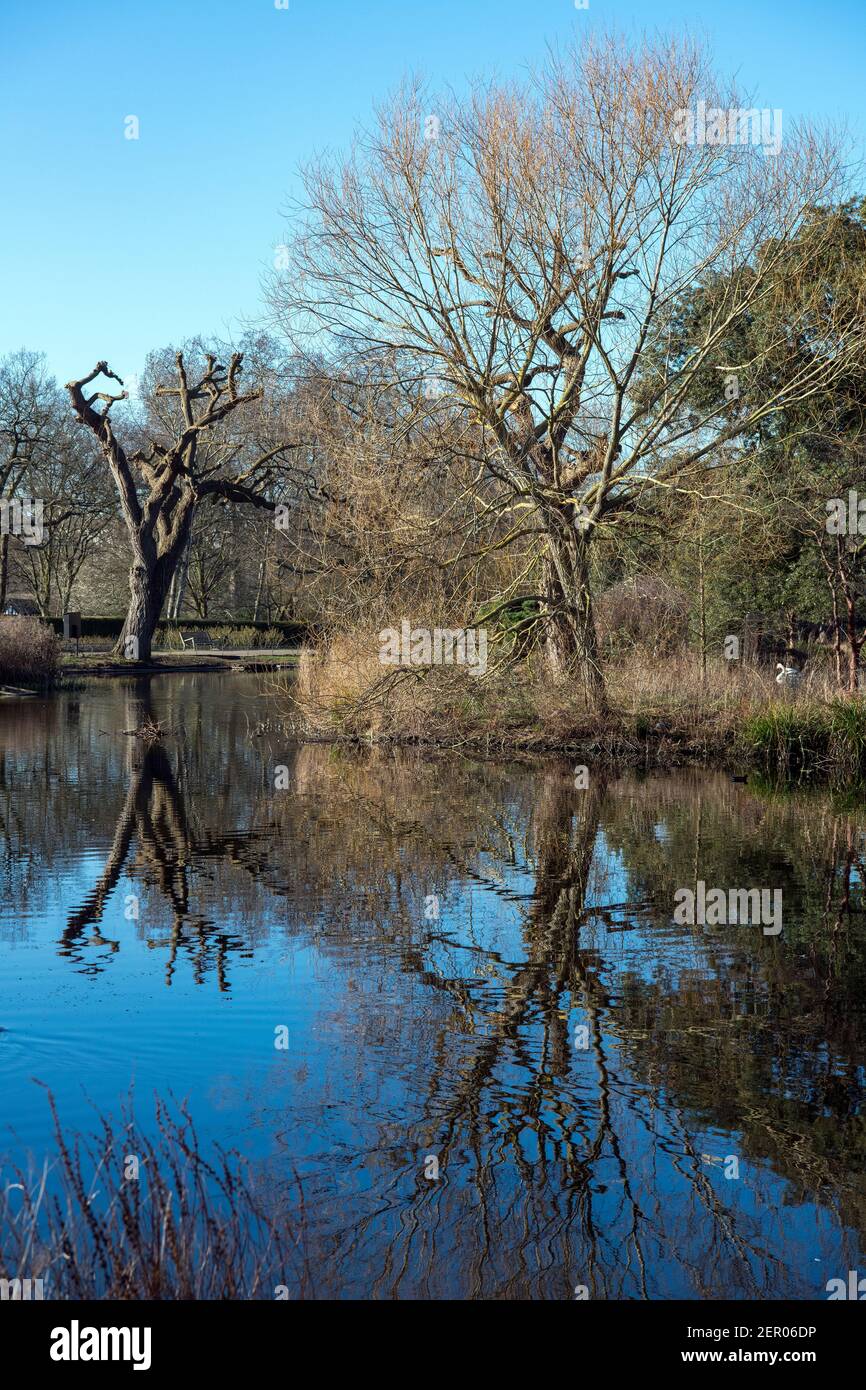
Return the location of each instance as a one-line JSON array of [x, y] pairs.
[[150, 579], [571, 642], [148, 589], [159, 515]]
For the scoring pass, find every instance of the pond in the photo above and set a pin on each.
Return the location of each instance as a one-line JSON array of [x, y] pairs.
[[444, 1004]]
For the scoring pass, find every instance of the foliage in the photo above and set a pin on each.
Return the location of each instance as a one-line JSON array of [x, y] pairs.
[[29, 652]]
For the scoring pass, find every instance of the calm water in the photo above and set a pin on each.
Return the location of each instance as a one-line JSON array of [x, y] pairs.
[[431, 933]]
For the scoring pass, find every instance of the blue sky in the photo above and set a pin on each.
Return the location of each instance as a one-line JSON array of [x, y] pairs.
[[111, 246]]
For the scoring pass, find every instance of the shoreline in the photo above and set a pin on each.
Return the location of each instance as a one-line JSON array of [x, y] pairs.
[[616, 752], [783, 743], [177, 664], [76, 671]]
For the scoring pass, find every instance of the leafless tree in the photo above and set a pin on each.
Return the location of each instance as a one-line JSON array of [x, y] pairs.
[[161, 484], [26, 413], [523, 247], [78, 507]]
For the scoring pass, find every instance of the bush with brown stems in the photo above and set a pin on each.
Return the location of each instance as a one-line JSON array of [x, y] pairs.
[[644, 611], [29, 652]]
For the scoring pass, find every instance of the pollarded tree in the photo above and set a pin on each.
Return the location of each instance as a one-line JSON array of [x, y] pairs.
[[162, 483], [526, 247]]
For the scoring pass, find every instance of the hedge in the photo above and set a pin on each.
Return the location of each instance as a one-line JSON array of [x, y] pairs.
[[294, 633]]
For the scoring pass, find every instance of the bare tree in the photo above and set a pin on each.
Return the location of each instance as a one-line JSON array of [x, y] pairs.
[[386, 508], [842, 558], [161, 484], [26, 412], [522, 248], [78, 507], [212, 553]]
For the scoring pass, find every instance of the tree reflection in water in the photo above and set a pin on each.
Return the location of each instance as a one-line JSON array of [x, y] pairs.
[[451, 1034]]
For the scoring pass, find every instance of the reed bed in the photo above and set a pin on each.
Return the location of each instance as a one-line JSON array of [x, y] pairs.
[[658, 708], [29, 652], [128, 1214]]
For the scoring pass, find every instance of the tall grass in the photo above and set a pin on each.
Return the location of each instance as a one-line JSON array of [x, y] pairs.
[[29, 652], [656, 704], [188, 1226], [342, 688], [827, 736]]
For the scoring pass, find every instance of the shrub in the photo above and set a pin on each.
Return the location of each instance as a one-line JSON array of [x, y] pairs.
[[645, 612], [519, 622], [247, 638], [830, 735], [29, 652]]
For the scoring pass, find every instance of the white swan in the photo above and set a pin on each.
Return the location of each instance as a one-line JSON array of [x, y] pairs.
[[788, 676]]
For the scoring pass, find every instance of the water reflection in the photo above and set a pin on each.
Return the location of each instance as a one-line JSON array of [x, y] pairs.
[[437, 933]]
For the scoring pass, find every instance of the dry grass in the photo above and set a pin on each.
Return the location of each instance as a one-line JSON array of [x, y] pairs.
[[676, 687], [231, 638], [29, 652], [188, 1227], [342, 689], [670, 702], [339, 686]]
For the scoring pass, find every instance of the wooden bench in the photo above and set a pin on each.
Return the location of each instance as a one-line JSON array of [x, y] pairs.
[[195, 640]]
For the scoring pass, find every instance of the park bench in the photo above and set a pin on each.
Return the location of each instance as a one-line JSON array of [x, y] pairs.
[[195, 640]]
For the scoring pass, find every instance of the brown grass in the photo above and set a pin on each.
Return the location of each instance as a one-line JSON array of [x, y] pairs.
[[29, 652], [190, 1226], [342, 691]]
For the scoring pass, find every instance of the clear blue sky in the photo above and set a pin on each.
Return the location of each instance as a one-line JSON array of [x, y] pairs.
[[111, 247]]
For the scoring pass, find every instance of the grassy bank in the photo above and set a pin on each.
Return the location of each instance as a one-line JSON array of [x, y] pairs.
[[825, 736], [659, 712], [100, 664]]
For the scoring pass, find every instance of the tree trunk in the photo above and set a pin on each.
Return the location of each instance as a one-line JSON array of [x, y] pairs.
[[855, 642], [4, 568], [179, 582], [259, 589], [150, 579], [148, 588], [571, 642], [837, 637], [702, 593], [172, 599]]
